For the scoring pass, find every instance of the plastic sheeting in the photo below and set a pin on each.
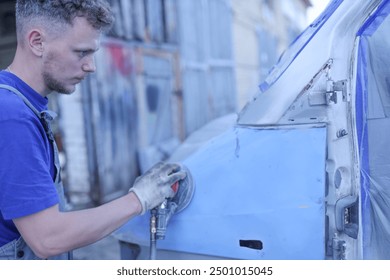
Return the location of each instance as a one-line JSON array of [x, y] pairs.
[[373, 126]]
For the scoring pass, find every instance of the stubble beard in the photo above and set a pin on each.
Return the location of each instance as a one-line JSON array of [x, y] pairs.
[[54, 84]]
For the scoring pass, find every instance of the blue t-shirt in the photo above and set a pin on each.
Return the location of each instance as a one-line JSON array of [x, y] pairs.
[[26, 158]]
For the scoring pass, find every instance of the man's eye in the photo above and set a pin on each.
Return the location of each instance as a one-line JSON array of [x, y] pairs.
[[82, 53]]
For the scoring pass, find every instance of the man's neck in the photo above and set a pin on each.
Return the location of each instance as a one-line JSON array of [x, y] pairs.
[[25, 70]]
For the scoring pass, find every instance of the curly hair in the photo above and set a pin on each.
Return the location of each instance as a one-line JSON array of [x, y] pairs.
[[62, 12]]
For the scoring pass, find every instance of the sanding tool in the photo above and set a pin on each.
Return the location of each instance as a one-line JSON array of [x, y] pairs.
[[161, 215]]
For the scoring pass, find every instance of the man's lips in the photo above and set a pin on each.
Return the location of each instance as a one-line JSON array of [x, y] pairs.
[[79, 79]]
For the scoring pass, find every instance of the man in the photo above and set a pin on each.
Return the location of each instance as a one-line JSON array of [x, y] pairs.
[[56, 42]]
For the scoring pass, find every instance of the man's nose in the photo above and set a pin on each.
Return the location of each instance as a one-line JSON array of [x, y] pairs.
[[89, 65]]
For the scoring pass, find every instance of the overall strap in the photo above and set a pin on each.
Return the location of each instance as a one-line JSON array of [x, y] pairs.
[[45, 116]]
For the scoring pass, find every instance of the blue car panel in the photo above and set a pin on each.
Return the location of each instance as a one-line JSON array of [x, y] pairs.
[[259, 194]]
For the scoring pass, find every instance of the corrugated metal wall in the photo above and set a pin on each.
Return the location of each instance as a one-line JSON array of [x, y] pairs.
[[206, 61], [268, 53], [159, 115]]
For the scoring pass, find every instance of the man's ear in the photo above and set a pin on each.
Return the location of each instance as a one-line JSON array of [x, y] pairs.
[[35, 42]]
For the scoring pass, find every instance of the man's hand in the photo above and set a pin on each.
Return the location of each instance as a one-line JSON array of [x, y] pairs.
[[153, 187]]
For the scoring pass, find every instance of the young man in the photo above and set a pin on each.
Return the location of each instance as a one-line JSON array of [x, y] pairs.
[[56, 41]]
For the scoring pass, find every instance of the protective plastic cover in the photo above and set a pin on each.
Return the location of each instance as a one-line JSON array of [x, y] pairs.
[[373, 126]]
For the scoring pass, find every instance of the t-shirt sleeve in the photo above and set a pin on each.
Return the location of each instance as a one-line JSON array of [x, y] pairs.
[[26, 185]]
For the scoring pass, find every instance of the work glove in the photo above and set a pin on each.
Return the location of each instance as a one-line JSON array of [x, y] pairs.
[[155, 185]]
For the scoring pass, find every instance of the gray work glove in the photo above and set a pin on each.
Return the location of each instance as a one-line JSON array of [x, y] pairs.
[[155, 185]]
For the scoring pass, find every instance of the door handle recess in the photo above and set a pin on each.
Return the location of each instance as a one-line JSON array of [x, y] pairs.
[[347, 215]]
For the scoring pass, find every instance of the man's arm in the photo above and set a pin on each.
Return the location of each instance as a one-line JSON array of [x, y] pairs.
[[51, 232]]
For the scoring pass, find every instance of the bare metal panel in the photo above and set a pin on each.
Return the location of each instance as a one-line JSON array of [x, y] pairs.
[[254, 198]]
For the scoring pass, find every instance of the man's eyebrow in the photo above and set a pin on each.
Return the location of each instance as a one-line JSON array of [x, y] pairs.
[[89, 50]]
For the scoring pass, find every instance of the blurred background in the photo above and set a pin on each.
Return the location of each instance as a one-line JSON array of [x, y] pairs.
[[167, 68]]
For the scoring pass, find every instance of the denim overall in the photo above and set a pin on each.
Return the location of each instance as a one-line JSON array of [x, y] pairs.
[[18, 249]]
